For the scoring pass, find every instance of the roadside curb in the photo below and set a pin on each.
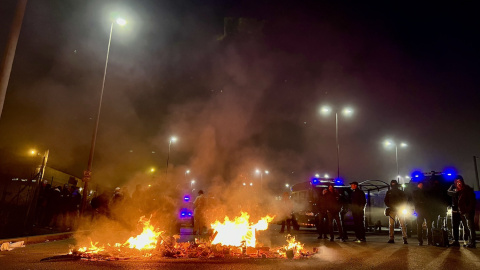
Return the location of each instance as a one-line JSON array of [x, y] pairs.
[[38, 238]]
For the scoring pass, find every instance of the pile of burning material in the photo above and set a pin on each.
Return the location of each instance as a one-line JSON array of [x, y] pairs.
[[230, 239]]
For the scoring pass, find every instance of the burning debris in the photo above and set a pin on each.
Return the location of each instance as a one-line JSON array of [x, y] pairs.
[[231, 239]]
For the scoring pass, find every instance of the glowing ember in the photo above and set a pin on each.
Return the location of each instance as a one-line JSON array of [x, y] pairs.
[[238, 232], [292, 249]]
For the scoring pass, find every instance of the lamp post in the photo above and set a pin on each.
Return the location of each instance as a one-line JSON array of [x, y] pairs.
[[87, 174], [326, 110], [257, 171], [186, 172], [172, 139], [191, 184], [390, 143]]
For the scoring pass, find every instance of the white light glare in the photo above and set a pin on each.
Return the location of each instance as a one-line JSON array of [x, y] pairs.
[[347, 111], [121, 21], [325, 110]]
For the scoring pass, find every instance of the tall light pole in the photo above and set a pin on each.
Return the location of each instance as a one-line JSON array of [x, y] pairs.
[[389, 144], [191, 184], [87, 174], [172, 140], [257, 171], [10, 48], [186, 172], [326, 110]]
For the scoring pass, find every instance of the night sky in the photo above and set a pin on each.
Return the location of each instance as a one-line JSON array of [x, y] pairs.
[[410, 71]]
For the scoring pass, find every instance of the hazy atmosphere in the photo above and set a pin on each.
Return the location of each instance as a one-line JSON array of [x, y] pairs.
[[244, 99]]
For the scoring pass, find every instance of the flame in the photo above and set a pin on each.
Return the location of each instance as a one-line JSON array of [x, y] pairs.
[[293, 246], [147, 239], [238, 232]]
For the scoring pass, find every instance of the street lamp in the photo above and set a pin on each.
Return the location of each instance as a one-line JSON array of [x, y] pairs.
[[326, 110], [186, 172], [257, 171], [389, 144], [191, 183], [87, 174], [172, 139]]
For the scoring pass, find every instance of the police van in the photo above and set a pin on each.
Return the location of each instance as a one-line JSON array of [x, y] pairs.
[[305, 197]]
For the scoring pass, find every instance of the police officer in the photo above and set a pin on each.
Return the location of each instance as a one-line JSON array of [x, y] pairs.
[[466, 207], [456, 217], [358, 202], [321, 216], [395, 199], [333, 205], [423, 214]]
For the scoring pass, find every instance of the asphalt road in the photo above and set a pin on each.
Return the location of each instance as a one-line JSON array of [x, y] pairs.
[[374, 254]]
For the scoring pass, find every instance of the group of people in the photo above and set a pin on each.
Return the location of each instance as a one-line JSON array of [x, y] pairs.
[[332, 207], [58, 207], [429, 198], [431, 209]]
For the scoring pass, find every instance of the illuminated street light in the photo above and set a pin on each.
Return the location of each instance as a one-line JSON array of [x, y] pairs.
[[251, 184], [257, 171], [287, 185], [389, 144], [172, 139], [191, 183], [244, 184], [87, 174], [152, 170], [326, 110]]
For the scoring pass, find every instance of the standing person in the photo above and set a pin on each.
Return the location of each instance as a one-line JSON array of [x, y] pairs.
[[333, 205], [466, 207], [456, 217], [358, 202], [287, 210], [395, 199], [438, 201], [199, 213], [423, 214], [321, 216]]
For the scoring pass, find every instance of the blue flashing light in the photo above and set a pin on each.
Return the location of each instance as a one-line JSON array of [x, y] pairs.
[[186, 198], [315, 181], [450, 174], [185, 213], [417, 176], [339, 181]]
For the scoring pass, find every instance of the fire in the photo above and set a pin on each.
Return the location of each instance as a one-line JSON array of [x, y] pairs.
[[147, 239], [238, 232], [293, 249]]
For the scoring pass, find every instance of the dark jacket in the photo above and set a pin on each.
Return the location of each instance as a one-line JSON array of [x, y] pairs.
[[452, 191], [420, 201], [466, 200], [358, 200], [395, 198], [332, 203]]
